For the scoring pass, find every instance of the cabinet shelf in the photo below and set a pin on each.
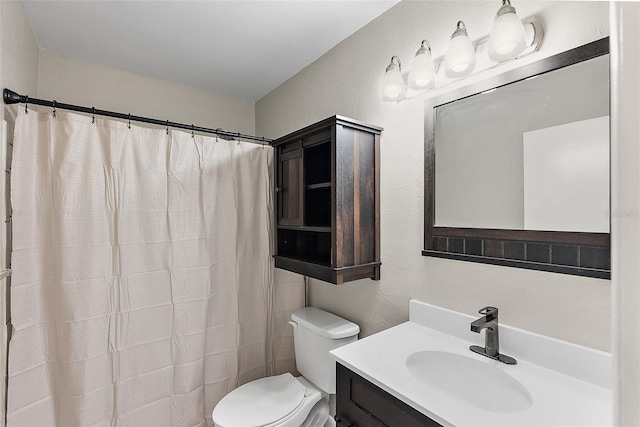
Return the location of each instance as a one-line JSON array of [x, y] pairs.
[[305, 228], [318, 185]]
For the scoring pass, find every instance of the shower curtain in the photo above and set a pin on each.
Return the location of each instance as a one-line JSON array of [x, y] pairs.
[[143, 288]]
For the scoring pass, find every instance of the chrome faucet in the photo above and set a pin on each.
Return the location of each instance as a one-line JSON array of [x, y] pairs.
[[489, 322]]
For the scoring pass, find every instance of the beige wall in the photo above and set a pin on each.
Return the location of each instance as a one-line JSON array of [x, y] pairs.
[[77, 82], [347, 81], [19, 72], [18, 53]]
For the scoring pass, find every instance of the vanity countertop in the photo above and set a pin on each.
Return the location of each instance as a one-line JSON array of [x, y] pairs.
[[568, 383]]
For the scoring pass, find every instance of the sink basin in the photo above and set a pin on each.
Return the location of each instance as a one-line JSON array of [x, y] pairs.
[[477, 383]]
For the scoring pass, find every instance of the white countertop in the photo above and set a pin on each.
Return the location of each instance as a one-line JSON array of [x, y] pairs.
[[574, 398]]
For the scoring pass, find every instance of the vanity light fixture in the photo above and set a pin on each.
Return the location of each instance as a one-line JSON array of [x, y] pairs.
[[393, 88], [507, 38], [510, 38], [460, 59], [422, 74]]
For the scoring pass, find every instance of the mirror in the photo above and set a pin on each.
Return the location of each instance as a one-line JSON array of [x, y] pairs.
[[517, 167]]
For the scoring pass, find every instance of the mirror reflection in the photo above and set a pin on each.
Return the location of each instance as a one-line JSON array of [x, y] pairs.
[[531, 155]]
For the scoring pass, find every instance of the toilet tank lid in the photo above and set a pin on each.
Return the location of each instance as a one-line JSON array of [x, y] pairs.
[[324, 323]]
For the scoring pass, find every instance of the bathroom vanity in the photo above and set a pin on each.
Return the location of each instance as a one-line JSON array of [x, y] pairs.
[[362, 403], [328, 200], [422, 373]]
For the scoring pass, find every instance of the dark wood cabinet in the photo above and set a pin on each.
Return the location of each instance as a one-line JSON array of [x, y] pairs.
[[359, 403], [328, 201]]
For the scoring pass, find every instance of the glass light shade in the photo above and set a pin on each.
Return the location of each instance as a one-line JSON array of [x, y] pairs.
[[507, 38], [393, 88], [460, 59], [422, 74]]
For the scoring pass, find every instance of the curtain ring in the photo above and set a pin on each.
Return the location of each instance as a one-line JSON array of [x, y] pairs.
[[54, 108], [93, 114], [26, 104], [129, 118]]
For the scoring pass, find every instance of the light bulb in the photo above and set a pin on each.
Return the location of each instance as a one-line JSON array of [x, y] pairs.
[[393, 88], [422, 74], [507, 38], [460, 59]]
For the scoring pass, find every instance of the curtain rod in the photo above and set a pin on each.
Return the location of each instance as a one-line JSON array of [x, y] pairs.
[[11, 97]]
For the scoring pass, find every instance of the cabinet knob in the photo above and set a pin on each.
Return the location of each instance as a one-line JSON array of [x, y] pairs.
[[278, 189], [340, 422]]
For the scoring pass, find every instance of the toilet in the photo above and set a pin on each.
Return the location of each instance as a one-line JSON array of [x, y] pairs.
[[285, 400]]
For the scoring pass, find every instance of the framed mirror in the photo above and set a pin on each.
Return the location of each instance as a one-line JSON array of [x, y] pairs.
[[517, 167]]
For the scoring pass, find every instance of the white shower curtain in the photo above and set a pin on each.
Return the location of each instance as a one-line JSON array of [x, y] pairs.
[[143, 286]]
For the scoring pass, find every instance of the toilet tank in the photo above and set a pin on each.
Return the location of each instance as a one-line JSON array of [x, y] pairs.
[[315, 333]]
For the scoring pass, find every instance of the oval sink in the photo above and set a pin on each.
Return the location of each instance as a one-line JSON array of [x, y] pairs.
[[479, 384]]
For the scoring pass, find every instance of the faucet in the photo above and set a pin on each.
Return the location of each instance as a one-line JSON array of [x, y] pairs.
[[489, 322]]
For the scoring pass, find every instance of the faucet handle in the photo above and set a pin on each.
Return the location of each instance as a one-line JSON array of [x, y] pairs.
[[489, 311]]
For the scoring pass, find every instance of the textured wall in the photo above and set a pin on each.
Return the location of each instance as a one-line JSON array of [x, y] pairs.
[[18, 54], [347, 81], [78, 82], [19, 50]]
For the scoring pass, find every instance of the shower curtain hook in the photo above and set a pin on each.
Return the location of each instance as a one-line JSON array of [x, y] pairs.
[[192, 134], [54, 108], [167, 127], [93, 114], [26, 104], [129, 118]]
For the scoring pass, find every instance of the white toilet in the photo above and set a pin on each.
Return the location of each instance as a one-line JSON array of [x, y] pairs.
[[285, 400]]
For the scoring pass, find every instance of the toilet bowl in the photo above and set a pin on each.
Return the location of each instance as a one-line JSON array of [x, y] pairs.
[[282, 401], [285, 400]]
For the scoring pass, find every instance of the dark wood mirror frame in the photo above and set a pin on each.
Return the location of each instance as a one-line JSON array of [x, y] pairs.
[[582, 254]]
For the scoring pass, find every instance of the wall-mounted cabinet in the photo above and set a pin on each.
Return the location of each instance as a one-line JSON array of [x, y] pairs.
[[328, 201]]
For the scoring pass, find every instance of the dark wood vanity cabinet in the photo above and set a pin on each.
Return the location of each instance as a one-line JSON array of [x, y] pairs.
[[359, 403], [327, 201]]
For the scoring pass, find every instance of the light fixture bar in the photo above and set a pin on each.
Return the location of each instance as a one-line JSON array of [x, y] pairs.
[[534, 32]]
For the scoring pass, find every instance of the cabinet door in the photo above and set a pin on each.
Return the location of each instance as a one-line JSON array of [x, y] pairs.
[[290, 185], [360, 403], [357, 197]]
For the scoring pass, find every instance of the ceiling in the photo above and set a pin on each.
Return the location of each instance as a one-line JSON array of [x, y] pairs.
[[236, 48]]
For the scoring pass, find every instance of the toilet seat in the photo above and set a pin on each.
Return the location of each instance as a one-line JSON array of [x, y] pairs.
[[261, 402]]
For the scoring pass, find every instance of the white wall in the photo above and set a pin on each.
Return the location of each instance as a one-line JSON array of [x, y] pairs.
[[625, 206], [347, 81], [77, 82]]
